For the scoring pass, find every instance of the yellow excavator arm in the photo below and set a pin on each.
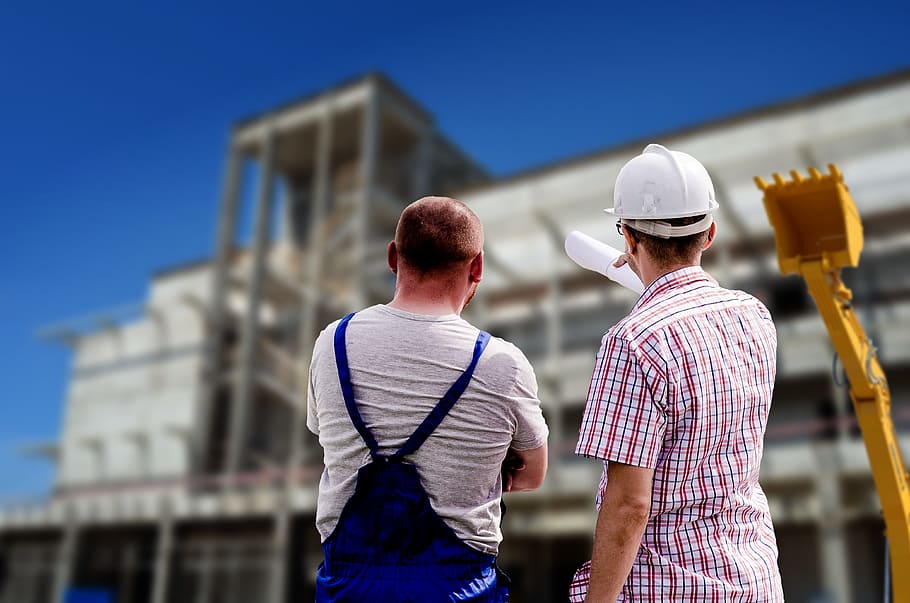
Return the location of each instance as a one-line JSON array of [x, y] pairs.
[[818, 231]]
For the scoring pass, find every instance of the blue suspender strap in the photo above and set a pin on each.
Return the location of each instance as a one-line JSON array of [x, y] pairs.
[[446, 403], [430, 423], [347, 390]]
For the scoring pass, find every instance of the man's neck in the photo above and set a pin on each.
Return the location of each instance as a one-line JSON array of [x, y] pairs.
[[428, 307], [651, 272], [430, 298]]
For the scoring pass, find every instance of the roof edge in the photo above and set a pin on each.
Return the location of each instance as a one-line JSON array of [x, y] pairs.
[[827, 95], [376, 76]]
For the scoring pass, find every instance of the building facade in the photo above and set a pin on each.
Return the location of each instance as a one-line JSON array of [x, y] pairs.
[[185, 471]]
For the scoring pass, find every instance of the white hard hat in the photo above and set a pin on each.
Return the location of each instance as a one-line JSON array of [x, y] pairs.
[[661, 184]]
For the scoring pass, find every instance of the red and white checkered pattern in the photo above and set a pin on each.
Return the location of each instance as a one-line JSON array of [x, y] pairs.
[[683, 385]]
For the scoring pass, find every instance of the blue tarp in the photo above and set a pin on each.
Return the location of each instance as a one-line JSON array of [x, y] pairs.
[[88, 595]]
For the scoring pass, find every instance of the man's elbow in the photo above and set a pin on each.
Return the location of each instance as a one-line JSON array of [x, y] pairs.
[[628, 493], [524, 482], [532, 473], [630, 509], [633, 510]]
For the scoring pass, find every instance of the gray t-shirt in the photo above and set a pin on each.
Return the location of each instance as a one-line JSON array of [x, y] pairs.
[[401, 365]]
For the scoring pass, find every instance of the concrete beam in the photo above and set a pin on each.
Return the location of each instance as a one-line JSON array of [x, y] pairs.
[[249, 137]]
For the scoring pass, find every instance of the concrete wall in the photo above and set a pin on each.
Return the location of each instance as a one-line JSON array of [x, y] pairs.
[[131, 396]]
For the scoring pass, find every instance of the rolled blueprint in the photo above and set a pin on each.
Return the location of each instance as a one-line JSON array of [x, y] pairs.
[[591, 254]]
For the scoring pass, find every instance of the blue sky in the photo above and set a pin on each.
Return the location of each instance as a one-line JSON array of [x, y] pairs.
[[114, 119]]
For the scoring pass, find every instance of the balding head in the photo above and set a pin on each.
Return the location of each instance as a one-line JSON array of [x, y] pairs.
[[435, 234]]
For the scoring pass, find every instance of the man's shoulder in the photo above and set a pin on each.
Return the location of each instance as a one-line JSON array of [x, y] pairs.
[[503, 356], [745, 302], [685, 302], [502, 347], [327, 334], [498, 345], [366, 313], [325, 340]]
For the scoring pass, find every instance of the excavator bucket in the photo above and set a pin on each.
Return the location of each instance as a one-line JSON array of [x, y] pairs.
[[812, 218]]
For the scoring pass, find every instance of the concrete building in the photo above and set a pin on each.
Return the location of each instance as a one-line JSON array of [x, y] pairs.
[[184, 470]]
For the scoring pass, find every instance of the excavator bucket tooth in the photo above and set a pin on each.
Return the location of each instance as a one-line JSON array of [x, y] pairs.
[[813, 218]]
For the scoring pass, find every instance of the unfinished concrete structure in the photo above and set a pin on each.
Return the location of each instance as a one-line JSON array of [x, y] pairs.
[[185, 472]]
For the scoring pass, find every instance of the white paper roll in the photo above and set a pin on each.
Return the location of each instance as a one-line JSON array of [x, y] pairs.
[[591, 254]]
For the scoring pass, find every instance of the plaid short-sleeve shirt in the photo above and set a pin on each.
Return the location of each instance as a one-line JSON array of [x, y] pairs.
[[683, 385]]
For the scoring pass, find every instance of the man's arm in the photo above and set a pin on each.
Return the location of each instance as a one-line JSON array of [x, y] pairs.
[[621, 523], [524, 470]]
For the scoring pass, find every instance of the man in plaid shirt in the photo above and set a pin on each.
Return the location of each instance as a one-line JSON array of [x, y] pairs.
[[677, 409]]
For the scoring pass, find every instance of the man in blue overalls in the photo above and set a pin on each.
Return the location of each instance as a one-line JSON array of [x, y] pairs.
[[417, 412]]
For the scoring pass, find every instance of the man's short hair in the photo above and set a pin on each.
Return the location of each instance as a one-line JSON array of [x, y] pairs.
[[675, 250], [436, 233]]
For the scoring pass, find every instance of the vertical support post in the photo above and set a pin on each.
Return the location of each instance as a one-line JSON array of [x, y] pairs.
[[234, 566], [163, 554], [554, 325], [832, 535], [286, 235], [840, 396], [306, 338], [278, 568], [239, 415], [547, 566], [554, 355], [227, 225], [420, 184], [66, 556], [206, 569], [128, 568], [369, 151], [315, 261]]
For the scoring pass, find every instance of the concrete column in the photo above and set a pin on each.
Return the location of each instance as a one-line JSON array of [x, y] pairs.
[[66, 557], [278, 568], [420, 184], [206, 569], [289, 199], [306, 339], [234, 564], [162, 576], [835, 570], [23, 573], [128, 568], [369, 158], [554, 357], [553, 309], [315, 262], [840, 396], [243, 393], [227, 226]]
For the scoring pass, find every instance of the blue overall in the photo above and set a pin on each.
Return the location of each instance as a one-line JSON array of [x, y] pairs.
[[389, 544]]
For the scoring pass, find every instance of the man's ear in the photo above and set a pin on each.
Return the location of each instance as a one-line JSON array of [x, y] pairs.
[[476, 270], [393, 258], [631, 243], [712, 232]]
